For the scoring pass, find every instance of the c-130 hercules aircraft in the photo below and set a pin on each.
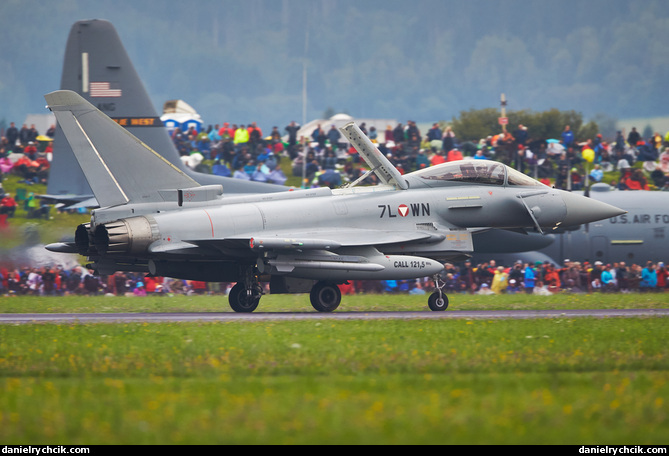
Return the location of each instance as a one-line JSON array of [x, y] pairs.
[[156, 219]]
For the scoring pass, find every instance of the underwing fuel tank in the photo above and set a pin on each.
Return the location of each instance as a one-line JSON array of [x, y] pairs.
[[325, 265]]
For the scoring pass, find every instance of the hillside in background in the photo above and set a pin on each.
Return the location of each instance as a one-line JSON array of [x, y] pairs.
[[242, 61]]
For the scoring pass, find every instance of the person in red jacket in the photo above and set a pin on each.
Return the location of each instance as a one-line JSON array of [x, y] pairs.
[[552, 278], [198, 287], [150, 284], [438, 158], [662, 274], [8, 205], [636, 181], [454, 154]]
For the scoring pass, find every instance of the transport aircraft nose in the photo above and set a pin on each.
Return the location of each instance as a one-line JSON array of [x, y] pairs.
[[585, 210]]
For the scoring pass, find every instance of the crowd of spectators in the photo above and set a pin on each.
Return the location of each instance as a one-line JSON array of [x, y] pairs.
[[323, 159], [242, 151], [540, 278], [25, 153], [237, 151], [545, 278], [60, 281]]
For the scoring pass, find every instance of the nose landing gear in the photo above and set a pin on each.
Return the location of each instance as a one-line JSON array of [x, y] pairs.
[[438, 301]]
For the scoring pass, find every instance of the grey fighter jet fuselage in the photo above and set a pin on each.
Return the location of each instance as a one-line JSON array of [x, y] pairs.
[[155, 219], [638, 236]]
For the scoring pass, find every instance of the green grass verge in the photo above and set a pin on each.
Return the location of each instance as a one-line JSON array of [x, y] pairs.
[[353, 303], [544, 381]]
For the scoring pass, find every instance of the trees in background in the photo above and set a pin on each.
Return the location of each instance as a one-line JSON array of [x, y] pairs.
[[475, 124]]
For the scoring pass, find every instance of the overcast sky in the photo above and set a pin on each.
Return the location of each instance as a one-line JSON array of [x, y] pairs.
[[425, 60]]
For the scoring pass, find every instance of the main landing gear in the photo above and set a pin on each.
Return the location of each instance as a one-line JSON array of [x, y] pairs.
[[242, 299], [245, 295], [325, 296]]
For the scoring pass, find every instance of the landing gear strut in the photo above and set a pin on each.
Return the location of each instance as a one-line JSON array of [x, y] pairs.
[[245, 295], [438, 300], [325, 296]]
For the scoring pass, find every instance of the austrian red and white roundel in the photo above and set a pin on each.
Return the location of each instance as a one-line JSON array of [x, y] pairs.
[[403, 210]]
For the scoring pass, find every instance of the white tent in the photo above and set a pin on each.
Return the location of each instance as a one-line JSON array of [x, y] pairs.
[[42, 122], [339, 120], [178, 113]]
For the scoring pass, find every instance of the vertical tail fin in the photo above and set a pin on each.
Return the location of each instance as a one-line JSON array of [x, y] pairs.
[[98, 68], [136, 175], [95, 58]]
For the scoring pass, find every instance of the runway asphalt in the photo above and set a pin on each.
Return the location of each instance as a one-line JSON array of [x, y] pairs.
[[259, 316]]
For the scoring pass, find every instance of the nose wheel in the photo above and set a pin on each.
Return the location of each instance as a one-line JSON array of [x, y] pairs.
[[438, 300]]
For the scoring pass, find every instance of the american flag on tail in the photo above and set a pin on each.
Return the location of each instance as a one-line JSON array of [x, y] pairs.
[[103, 89]]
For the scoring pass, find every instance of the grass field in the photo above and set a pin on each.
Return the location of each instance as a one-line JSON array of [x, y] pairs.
[[358, 302], [544, 381]]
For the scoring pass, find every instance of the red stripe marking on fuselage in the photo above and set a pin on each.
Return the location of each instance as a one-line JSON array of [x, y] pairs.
[[210, 222]]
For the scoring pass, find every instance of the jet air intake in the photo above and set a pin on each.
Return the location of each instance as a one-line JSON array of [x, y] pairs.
[[131, 235]]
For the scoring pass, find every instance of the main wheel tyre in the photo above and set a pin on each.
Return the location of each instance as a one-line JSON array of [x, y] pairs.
[[325, 296], [240, 301], [437, 301]]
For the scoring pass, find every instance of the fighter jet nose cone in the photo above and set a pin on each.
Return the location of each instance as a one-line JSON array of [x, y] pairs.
[[585, 210]]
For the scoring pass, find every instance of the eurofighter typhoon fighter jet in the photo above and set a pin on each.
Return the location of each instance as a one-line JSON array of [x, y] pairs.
[[155, 219]]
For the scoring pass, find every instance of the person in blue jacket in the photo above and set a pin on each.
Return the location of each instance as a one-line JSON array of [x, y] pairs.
[[648, 278], [607, 279], [529, 279], [567, 137]]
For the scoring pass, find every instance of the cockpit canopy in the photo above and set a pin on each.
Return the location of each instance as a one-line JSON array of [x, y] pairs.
[[475, 172]]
